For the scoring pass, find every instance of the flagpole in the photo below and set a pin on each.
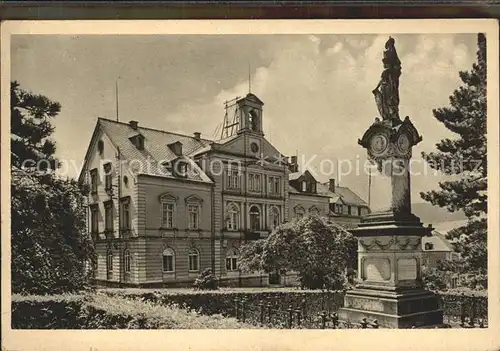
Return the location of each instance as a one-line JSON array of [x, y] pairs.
[[116, 99]]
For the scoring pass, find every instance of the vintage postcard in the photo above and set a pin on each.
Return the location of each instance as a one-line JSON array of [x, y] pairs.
[[260, 185]]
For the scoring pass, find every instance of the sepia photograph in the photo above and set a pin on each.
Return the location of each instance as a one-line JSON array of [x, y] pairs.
[[209, 179]]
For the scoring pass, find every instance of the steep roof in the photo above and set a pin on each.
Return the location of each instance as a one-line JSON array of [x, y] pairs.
[[295, 175], [438, 241], [347, 196], [155, 149]]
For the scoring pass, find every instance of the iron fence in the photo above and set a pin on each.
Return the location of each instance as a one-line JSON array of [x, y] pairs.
[[463, 311]]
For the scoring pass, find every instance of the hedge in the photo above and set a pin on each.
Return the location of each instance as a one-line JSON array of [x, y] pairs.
[[310, 302], [100, 311]]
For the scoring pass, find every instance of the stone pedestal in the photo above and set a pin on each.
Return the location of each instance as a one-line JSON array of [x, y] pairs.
[[389, 285]]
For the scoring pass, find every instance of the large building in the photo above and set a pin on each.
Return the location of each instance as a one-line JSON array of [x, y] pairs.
[[165, 206]]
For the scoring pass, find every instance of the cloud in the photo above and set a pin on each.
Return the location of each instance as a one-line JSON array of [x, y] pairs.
[[321, 102], [335, 49]]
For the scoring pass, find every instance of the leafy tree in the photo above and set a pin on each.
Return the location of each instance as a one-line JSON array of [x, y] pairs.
[[31, 129], [465, 156], [318, 250], [50, 245]]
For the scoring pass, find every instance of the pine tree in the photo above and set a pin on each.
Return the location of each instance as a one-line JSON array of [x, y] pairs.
[[31, 129], [50, 245], [465, 156]]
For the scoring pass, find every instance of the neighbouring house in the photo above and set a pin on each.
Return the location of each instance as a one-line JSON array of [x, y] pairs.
[[436, 248], [345, 206], [162, 206]]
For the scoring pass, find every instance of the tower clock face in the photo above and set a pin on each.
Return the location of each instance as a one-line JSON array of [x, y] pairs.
[[403, 143], [254, 147], [378, 144]]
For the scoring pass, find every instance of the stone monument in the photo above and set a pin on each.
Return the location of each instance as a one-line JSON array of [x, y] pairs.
[[389, 285]]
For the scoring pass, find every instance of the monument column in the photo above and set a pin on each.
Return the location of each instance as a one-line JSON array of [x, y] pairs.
[[390, 288]]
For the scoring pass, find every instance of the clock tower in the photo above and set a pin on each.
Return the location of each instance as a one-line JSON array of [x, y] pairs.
[[250, 108]]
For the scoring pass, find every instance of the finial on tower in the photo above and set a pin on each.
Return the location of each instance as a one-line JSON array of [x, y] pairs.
[[249, 80]]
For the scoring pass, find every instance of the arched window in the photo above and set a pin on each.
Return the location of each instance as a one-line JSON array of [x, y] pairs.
[[126, 259], [254, 218], [232, 256], [274, 217], [233, 217], [194, 260], [168, 260], [299, 212], [109, 261], [254, 120], [314, 211]]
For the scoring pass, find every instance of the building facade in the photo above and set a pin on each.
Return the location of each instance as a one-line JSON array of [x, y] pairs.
[[162, 207]]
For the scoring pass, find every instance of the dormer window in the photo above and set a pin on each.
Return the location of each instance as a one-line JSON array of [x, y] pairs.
[[181, 168], [304, 186], [429, 246], [138, 141]]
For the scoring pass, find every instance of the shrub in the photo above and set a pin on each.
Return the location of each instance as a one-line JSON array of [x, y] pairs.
[[100, 311], [206, 281], [434, 279]]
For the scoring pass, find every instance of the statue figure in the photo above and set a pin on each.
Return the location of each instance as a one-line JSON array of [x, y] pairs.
[[387, 91]]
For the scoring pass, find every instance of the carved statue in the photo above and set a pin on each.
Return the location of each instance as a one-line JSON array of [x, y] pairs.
[[387, 91]]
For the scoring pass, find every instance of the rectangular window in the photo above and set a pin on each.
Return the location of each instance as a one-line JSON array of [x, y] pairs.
[[313, 187], [348, 209], [93, 181], [233, 180], [231, 264], [109, 261], [108, 176], [94, 219], [274, 185], [194, 216], [167, 215], [193, 262], [359, 211], [127, 261], [125, 218], [168, 263], [254, 182], [108, 216], [304, 186]]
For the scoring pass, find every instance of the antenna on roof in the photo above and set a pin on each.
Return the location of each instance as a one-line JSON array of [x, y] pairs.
[[116, 98]]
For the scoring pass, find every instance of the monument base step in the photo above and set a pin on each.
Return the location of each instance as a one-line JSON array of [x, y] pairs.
[[392, 309]]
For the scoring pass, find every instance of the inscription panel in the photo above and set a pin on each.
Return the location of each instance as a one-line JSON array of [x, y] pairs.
[[407, 269], [377, 269]]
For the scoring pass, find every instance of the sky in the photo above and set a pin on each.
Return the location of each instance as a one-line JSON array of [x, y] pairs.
[[316, 89]]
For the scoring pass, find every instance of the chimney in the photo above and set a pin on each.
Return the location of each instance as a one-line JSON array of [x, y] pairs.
[[331, 186], [176, 148], [197, 136], [294, 166], [133, 124]]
